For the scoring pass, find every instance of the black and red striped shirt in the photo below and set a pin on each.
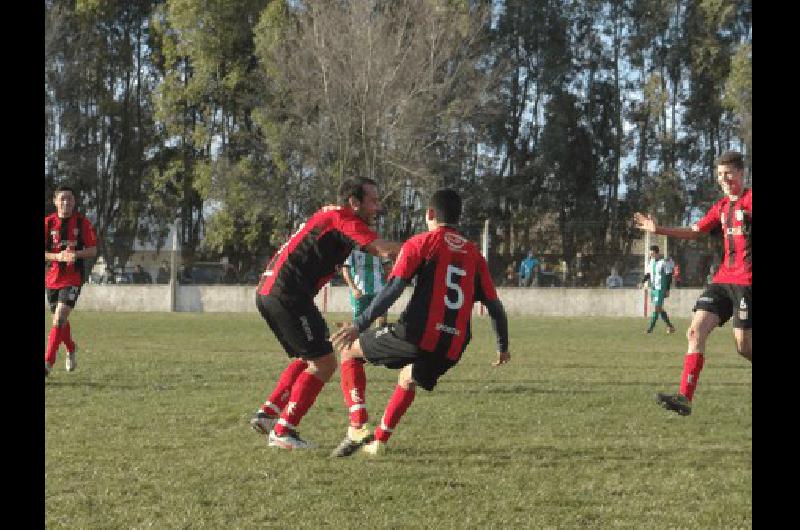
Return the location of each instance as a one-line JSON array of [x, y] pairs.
[[62, 234], [311, 256], [451, 276], [735, 219]]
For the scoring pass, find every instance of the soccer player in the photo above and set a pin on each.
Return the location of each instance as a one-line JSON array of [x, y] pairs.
[[730, 293], [365, 276], [432, 332], [658, 277], [69, 238], [285, 299]]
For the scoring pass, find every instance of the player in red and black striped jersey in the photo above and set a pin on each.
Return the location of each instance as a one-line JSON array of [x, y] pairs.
[[431, 333], [730, 293], [69, 238], [285, 299]]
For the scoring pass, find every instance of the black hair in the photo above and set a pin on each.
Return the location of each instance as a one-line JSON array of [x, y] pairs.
[[446, 204], [654, 248], [731, 158], [63, 188], [353, 187]]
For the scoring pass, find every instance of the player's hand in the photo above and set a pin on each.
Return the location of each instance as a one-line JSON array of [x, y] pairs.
[[502, 358], [67, 256], [644, 222], [344, 338], [357, 294]]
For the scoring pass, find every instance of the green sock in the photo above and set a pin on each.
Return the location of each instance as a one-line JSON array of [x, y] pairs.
[[653, 319], [665, 318]]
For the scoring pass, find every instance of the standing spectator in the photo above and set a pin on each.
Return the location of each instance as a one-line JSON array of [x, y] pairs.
[[614, 280], [285, 299], [730, 293], [69, 238], [511, 273], [162, 276], [527, 269], [229, 277], [676, 274], [433, 331], [108, 276], [712, 270], [141, 276]]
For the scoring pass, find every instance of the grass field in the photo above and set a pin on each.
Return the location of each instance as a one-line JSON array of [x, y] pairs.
[[151, 431]]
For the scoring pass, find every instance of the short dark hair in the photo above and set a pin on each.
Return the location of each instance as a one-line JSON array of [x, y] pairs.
[[446, 204], [353, 187], [63, 188], [731, 158], [654, 248]]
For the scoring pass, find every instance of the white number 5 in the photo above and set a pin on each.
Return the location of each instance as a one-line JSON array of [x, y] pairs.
[[459, 301]]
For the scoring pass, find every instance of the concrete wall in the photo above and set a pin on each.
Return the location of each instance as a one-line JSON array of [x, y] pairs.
[[545, 301]]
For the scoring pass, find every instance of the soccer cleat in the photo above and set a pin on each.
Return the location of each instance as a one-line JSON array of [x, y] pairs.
[[670, 330], [72, 358], [262, 423], [374, 448], [47, 369], [356, 438], [675, 402], [290, 440]]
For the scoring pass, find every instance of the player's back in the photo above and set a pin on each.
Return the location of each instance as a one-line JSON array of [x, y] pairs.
[[450, 276], [312, 254]]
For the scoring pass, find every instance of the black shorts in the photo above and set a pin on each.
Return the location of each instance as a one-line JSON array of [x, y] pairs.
[[726, 300], [65, 295], [297, 324], [382, 346]]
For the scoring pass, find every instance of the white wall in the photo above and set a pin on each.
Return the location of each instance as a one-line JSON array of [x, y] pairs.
[[544, 301]]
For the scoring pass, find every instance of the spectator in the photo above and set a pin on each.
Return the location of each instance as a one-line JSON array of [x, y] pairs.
[[141, 276], [511, 273], [230, 275], [185, 274], [108, 276], [676, 275], [162, 276], [614, 280], [527, 269], [712, 270]]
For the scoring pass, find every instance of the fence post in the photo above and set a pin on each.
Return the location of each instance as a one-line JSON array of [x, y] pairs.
[[173, 270]]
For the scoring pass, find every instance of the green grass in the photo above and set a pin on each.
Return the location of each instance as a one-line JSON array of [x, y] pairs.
[[151, 431]]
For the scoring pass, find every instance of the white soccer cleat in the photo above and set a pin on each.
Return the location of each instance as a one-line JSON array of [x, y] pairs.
[[72, 359], [291, 440], [374, 448]]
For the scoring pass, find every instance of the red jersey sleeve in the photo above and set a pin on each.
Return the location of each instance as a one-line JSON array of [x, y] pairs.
[[711, 219], [484, 286], [408, 261], [355, 228]]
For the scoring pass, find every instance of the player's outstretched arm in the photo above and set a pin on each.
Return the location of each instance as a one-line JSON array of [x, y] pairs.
[[648, 224], [384, 248]]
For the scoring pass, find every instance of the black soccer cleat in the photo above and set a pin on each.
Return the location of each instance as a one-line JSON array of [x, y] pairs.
[[356, 438], [675, 402]]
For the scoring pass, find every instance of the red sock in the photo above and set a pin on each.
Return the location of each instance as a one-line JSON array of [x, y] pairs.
[[280, 395], [304, 392], [53, 341], [692, 364], [398, 404], [66, 337], [354, 386]]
